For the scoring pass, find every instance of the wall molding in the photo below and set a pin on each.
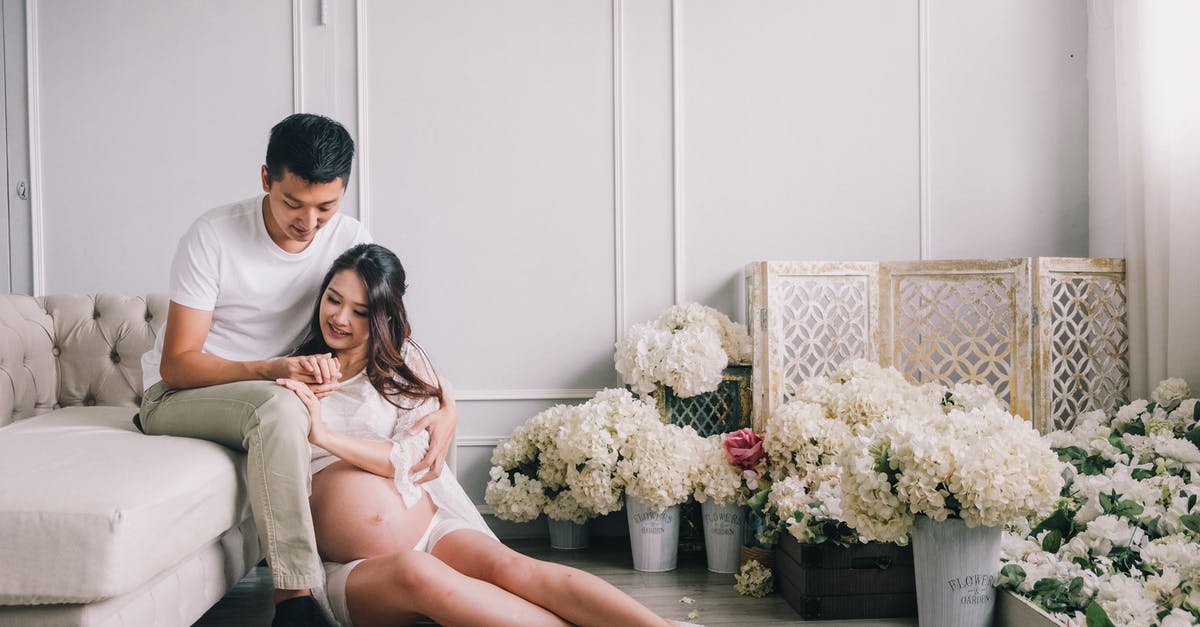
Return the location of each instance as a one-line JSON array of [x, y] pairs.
[[924, 220], [360, 82], [297, 56], [33, 104], [479, 440], [618, 170], [676, 151], [546, 394]]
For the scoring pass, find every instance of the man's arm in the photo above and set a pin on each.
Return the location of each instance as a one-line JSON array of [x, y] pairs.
[[186, 365]]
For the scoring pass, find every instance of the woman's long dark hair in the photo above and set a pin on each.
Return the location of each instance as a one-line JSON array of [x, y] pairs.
[[380, 270]]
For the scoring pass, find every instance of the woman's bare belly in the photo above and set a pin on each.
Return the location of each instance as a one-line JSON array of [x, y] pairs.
[[357, 514]]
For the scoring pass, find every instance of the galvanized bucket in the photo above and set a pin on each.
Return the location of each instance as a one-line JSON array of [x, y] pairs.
[[653, 535], [956, 568], [724, 526]]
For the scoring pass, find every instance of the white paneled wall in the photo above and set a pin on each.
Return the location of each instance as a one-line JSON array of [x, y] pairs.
[[148, 113], [551, 172]]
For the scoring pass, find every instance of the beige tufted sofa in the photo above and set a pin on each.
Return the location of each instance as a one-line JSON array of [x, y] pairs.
[[99, 524]]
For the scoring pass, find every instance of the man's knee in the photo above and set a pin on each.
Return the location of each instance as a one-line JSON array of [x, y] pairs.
[[281, 410]]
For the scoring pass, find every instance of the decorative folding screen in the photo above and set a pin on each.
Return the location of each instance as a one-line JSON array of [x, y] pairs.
[[1048, 334]]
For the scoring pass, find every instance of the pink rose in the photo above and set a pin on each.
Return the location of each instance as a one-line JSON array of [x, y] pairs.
[[743, 448]]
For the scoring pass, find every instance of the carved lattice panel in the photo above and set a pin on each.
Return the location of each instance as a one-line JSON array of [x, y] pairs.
[[1083, 339], [963, 321], [825, 322], [1051, 352], [807, 319]]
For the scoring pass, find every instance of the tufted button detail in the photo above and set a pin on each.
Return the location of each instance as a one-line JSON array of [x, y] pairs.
[[149, 316], [95, 314], [115, 357], [137, 400], [89, 401], [56, 351]]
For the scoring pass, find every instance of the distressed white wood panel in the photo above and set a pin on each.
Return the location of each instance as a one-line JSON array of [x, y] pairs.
[[798, 124], [151, 113], [491, 175], [1008, 128]]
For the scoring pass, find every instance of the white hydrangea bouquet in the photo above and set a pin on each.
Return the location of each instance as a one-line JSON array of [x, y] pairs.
[[1120, 547], [805, 436], [660, 464], [803, 496], [685, 349], [980, 464], [563, 461], [857, 454]]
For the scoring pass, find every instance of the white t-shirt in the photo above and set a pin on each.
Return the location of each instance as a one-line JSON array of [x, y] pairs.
[[262, 297]]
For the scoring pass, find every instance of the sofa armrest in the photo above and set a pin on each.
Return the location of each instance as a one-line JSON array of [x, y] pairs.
[[28, 374]]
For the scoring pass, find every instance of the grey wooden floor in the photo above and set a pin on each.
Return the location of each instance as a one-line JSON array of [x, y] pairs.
[[249, 604]]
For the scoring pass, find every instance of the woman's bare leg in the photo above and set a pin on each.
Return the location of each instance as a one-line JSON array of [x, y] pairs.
[[579, 597], [402, 587]]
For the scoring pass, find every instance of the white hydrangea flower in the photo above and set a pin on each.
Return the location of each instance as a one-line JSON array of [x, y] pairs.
[[686, 349], [1169, 392], [716, 478], [639, 354], [519, 499], [659, 464], [1127, 602]]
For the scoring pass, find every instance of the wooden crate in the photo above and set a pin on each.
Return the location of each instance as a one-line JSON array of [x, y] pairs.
[[824, 582], [1014, 610], [728, 408], [1049, 334]]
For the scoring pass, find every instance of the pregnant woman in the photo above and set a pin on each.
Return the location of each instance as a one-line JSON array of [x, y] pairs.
[[396, 547]]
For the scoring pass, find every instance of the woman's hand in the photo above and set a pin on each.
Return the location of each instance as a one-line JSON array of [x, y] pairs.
[[316, 429], [321, 373], [440, 425]]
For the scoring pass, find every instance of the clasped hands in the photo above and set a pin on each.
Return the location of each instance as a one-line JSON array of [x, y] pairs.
[[313, 377]]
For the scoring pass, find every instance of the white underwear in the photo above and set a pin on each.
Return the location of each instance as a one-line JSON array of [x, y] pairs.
[[336, 575]]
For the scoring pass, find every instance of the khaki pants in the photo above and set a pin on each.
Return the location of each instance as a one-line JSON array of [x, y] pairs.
[[270, 424]]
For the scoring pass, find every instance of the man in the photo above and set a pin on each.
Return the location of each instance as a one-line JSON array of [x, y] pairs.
[[243, 286]]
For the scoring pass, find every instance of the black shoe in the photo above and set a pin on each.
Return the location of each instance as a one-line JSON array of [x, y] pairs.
[[299, 612]]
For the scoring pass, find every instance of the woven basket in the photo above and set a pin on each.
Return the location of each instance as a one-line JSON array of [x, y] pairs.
[[763, 556]]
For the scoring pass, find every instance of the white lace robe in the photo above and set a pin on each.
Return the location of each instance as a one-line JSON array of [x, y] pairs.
[[359, 410]]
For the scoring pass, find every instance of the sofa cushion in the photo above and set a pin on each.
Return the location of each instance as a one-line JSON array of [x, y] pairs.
[[90, 508]]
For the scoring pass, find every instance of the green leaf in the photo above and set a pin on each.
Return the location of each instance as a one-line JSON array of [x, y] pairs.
[[1013, 574], [1142, 474], [1136, 427], [1069, 453], [1193, 436], [1075, 587], [1097, 617], [1191, 522], [1052, 541], [883, 465], [1109, 501], [1119, 443], [1128, 509], [1047, 586], [1059, 521], [1191, 502], [759, 500]]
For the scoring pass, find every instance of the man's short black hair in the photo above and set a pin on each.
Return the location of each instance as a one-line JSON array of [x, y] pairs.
[[313, 147]]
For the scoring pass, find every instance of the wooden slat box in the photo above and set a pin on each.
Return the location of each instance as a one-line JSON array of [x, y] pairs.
[[823, 582]]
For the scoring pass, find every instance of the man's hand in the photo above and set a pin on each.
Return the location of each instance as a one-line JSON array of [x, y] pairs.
[[311, 369], [441, 425]]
